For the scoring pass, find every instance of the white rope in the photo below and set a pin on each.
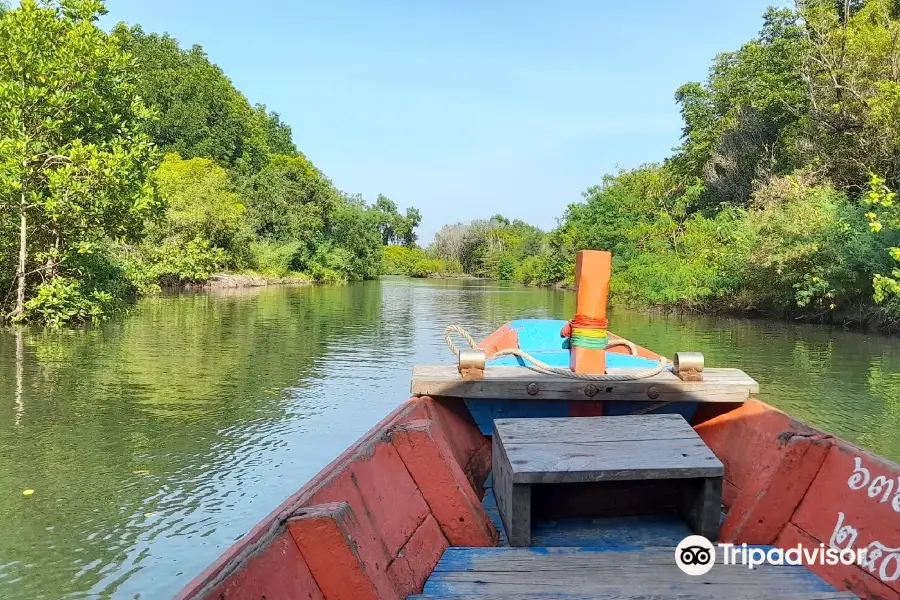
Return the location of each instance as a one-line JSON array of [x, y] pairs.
[[542, 367], [448, 337]]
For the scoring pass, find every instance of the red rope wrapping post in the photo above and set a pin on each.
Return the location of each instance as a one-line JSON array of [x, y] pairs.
[[587, 330]]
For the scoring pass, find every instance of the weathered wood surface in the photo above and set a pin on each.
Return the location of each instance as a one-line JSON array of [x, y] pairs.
[[612, 461], [625, 595], [582, 455], [701, 506], [596, 429], [588, 454], [718, 385], [513, 499], [610, 574], [629, 596]]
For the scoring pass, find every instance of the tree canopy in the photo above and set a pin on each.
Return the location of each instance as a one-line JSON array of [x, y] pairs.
[[90, 212], [74, 158], [201, 113], [780, 198]]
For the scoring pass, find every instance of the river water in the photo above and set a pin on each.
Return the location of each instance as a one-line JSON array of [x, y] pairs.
[[155, 441]]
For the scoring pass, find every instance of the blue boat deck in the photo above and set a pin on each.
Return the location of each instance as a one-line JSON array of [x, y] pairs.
[[613, 558], [609, 558], [541, 339], [607, 532]]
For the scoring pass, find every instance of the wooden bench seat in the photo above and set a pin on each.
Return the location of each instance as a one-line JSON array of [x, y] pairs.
[[592, 466]]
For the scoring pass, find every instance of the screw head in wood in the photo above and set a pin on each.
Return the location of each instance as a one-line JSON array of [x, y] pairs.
[[532, 389], [653, 392], [591, 391]]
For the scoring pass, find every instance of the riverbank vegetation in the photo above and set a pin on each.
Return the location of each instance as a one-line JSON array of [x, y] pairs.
[[128, 163], [780, 199]]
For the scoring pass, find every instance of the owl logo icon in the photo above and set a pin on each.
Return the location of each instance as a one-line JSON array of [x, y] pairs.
[[695, 555]]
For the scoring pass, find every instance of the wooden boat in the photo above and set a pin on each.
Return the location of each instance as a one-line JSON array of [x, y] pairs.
[[411, 509]]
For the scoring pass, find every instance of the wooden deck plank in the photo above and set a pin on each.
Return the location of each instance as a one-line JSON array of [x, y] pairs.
[[618, 596], [589, 430], [607, 573], [718, 385], [573, 462]]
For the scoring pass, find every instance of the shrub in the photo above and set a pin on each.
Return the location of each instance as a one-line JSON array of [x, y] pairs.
[[177, 263], [275, 258], [62, 300], [813, 252], [532, 271], [399, 260], [426, 267], [321, 274], [506, 268]]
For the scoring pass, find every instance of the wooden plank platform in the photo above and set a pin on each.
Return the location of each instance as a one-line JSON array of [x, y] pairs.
[[522, 383], [648, 573], [593, 449], [590, 466]]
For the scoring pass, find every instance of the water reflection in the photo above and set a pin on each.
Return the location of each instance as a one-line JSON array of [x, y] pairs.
[[153, 442]]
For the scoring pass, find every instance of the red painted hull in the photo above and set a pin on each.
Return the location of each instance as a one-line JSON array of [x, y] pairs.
[[373, 523]]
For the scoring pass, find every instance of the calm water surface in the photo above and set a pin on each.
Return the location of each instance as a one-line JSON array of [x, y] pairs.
[[152, 443]]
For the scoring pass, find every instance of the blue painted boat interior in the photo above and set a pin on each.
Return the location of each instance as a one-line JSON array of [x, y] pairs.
[[461, 573], [607, 532], [541, 338], [537, 572]]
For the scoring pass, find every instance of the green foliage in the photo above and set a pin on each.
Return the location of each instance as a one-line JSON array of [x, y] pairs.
[[425, 267], [489, 248], [740, 125], [506, 267], [760, 208], [177, 262], [74, 161], [396, 228], [289, 199], [415, 262], [277, 259], [533, 270], [201, 114], [811, 249], [200, 202], [63, 300], [356, 242], [83, 117], [884, 201], [398, 260], [278, 134]]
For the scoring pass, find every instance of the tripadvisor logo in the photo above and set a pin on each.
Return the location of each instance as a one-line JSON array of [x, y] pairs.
[[696, 555]]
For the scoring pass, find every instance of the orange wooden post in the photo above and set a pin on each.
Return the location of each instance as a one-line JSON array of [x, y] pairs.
[[593, 269]]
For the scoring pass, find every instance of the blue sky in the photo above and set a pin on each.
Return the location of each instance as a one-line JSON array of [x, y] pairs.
[[464, 109]]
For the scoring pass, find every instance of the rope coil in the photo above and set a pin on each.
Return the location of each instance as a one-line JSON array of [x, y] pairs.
[[542, 367], [589, 338]]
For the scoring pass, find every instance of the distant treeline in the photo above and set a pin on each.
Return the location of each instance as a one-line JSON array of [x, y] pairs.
[[780, 199], [128, 163]]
